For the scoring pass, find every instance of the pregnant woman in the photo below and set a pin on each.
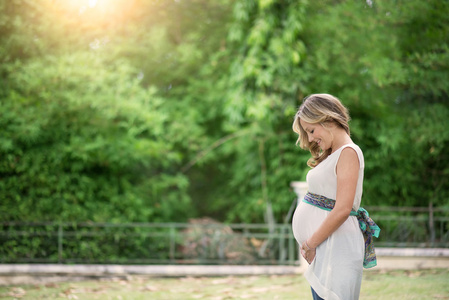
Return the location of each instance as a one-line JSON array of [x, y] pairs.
[[334, 233]]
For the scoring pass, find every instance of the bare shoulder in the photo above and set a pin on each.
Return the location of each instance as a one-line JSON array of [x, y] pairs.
[[349, 159]]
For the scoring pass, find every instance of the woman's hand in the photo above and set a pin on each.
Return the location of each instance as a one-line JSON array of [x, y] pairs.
[[307, 252]]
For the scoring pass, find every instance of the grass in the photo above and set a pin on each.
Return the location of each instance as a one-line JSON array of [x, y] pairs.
[[420, 284]]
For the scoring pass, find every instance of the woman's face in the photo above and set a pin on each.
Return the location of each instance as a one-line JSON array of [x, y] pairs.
[[316, 133]]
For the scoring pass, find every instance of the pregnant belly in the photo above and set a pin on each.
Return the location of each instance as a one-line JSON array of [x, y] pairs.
[[306, 220]]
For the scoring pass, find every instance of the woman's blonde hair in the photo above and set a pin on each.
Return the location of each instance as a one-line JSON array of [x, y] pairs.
[[319, 109]]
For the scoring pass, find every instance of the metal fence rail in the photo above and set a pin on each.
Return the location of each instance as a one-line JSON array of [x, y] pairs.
[[425, 227], [147, 243], [200, 242]]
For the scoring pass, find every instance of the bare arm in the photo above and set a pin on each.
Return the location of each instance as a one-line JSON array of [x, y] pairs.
[[347, 175]]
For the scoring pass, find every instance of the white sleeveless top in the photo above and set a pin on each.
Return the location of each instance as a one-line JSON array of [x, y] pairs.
[[336, 271]]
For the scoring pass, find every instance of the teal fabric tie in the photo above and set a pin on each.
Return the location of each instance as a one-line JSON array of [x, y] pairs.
[[366, 224]]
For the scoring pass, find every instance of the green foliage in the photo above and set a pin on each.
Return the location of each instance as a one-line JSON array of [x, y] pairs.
[[86, 144], [387, 62], [165, 110], [260, 99]]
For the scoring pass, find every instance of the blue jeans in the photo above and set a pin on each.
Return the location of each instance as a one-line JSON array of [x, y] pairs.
[[315, 295]]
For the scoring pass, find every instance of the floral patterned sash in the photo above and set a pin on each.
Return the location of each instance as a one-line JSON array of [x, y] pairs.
[[367, 225]]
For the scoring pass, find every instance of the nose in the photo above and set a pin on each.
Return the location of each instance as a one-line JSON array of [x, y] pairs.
[[309, 135]]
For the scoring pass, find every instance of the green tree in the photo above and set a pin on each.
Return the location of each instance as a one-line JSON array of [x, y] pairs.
[[363, 52], [87, 144], [163, 110], [387, 61], [258, 87]]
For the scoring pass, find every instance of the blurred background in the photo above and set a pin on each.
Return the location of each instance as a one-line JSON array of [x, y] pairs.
[[158, 111]]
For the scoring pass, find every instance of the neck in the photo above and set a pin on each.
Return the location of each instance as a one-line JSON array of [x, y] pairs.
[[341, 138]]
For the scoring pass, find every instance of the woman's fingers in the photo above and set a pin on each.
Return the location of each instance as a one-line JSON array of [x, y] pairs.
[[308, 254]]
